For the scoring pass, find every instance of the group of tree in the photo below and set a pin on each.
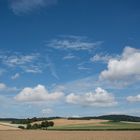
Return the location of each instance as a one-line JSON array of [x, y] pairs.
[[30, 120], [26, 121], [43, 125]]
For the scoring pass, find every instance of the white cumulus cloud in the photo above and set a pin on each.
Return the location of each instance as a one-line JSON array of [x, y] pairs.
[[36, 94], [124, 68], [100, 98], [134, 98]]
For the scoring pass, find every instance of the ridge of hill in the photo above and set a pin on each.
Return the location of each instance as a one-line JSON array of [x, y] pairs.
[[103, 117]]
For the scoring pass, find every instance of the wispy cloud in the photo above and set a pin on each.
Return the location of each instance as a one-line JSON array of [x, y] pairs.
[[51, 67], [83, 85], [47, 111], [101, 58], [18, 59], [1, 71], [69, 57], [5, 88], [73, 43], [17, 75], [2, 86], [26, 62], [83, 68], [26, 6]]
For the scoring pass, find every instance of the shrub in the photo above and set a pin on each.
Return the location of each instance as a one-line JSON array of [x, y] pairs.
[[21, 127], [35, 126], [51, 123], [29, 126]]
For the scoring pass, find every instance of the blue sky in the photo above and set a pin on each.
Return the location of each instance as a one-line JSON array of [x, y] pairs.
[[69, 58]]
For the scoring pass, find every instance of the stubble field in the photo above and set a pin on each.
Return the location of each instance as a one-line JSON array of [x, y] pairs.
[[69, 135], [4, 126]]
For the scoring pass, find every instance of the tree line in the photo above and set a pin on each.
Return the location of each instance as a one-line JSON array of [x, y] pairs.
[[30, 120]]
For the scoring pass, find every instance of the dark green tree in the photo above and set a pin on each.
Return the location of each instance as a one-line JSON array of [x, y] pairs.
[[29, 126], [35, 126], [51, 123], [21, 127]]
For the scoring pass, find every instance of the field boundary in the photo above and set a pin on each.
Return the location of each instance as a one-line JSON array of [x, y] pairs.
[[136, 129]]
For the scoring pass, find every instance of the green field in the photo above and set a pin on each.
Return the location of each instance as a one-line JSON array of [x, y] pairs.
[[106, 126]]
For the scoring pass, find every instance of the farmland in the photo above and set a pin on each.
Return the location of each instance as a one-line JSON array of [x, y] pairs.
[[71, 125], [69, 135], [64, 124], [7, 126], [11, 132]]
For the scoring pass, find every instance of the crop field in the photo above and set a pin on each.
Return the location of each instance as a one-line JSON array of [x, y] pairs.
[[64, 124], [11, 132], [69, 135]]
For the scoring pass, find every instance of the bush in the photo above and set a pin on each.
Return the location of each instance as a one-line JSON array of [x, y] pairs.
[[44, 124], [29, 126], [35, 126], [21, 127], [51, 123]]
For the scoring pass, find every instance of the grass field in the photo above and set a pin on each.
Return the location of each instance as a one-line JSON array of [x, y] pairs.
[[69, 135]]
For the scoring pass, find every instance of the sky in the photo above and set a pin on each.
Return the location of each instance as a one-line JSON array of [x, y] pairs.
[[69, 58]]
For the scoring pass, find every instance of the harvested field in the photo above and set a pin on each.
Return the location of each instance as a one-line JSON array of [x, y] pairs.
[[69, 135], [6, 127], [65, 122]]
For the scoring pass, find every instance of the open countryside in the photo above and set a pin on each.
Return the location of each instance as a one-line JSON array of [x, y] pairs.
[[106, 122], [73, 130], [69, 69], [9, 131], [69, 135]]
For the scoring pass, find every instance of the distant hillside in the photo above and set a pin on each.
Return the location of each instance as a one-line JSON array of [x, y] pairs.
[[120, 118], [104, 117], [111, 117]]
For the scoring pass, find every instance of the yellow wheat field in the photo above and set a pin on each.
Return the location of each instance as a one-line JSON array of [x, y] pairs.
[[63, 122], [69, 135]]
